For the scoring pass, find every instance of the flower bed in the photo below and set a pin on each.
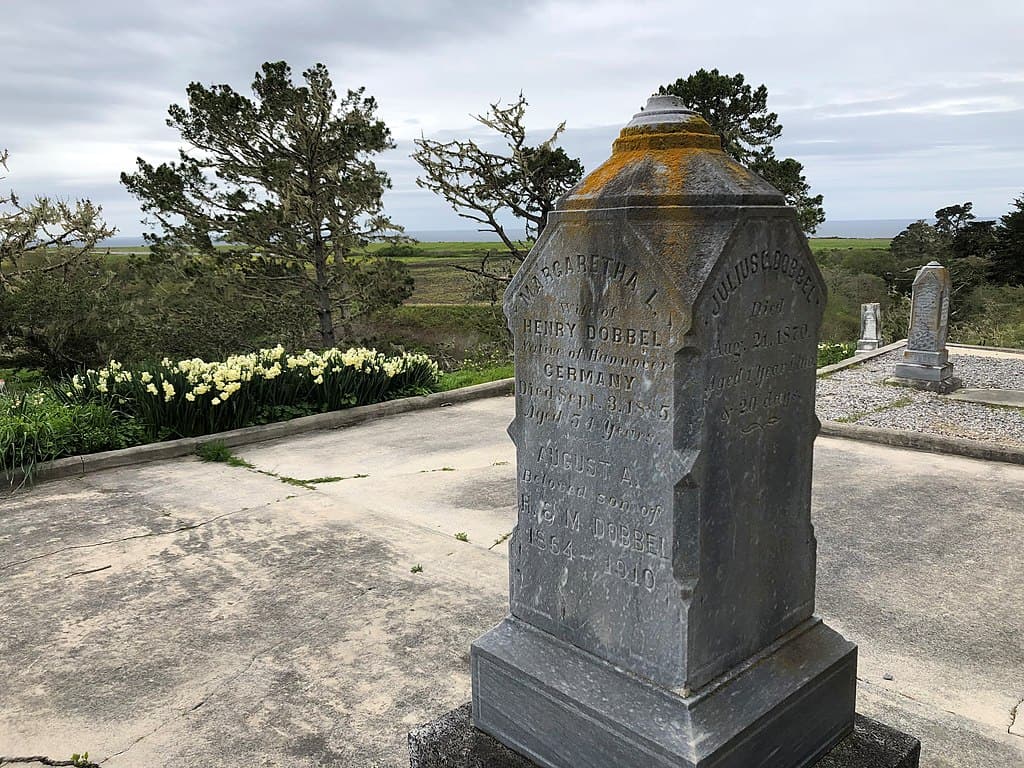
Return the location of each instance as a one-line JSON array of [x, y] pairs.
[[830, 352], [115, 407]]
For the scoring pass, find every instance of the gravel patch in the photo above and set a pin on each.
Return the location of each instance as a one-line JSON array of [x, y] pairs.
[[859, 395]]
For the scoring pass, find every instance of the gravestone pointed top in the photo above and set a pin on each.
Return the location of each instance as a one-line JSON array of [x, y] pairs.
[[669, 155], [660, 110]]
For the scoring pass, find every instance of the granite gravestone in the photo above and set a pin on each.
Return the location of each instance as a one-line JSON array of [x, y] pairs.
[[925, 362], [870, 327], [662, 568]]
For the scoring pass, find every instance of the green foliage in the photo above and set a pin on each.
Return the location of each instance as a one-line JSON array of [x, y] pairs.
[[286, 178], [396, 251], [20, 379], [787, 176], [485, 187], [462, 536], [739, 114], [835, 352], [1000, 323], [214, 451], [952, 219], [467, 377], [416, 568], [452, 334], [62, 319], [846, 292], [194, 308], [54, 296], [40, 426], [896, 317], [1007, 262], [919, 244]]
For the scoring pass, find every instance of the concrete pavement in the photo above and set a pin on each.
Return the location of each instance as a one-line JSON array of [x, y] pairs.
[[184, 613]]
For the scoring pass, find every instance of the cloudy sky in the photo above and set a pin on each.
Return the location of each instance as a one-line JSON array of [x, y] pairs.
[[895, 108]]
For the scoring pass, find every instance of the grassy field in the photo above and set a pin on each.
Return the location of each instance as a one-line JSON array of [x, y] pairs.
[[437, 282], [847, 243]]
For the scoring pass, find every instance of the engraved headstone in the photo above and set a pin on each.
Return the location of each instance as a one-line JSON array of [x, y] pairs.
[[870, 327], [925, 362], [662, 568]]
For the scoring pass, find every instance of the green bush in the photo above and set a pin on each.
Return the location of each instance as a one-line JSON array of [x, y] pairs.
[[846, 292], [998, 323], [453, 334], [20, 379], [40, 426], [834, 352]]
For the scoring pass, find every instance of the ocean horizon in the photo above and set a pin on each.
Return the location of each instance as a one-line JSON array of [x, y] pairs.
[[847, 228]]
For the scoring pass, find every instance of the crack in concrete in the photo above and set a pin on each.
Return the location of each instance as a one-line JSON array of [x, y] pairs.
[[44, 760], [229, 679], [914, 699], [1014, 711], [149, 535]]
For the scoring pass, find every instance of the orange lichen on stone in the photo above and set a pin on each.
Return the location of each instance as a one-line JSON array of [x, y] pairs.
[[695, 124], [597, 179], [737, 171], [671, 148], [667, 141]]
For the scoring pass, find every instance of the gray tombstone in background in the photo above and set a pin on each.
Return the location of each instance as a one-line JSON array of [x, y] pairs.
[[662, 569], [925, 362], [870, 327]]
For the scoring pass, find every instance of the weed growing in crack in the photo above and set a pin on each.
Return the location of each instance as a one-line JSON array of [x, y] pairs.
[[417, 568], [214, 451], [335, 479], [854, 417], [462, 536]]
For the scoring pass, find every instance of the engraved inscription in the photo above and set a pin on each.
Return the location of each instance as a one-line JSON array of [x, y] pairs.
[[606, 268], [595, 347], [760, 263]]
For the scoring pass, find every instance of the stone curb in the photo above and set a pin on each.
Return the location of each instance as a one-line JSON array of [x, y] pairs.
[[860, 358], [899, 438], [1011, 350], [74, 466]]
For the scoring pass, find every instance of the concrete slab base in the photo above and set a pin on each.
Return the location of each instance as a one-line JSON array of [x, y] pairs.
[[451, 741], [942, 386], [1012, 398]]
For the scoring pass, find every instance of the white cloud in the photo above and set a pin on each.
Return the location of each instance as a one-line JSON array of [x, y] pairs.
[[890, 106]]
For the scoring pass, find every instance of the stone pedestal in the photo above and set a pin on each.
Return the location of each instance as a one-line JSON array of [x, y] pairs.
[[451, 741], [561, 706], [870, 327], [925, 363]]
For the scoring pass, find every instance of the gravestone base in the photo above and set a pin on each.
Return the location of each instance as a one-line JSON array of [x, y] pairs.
[[867, 345], [564, 707], [933, 378], [451, 741]]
